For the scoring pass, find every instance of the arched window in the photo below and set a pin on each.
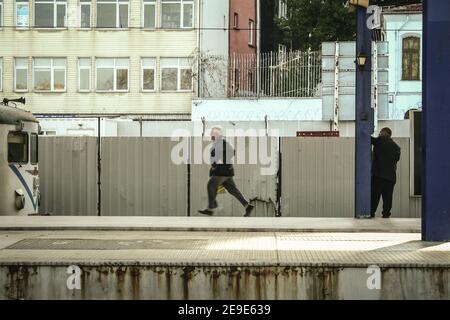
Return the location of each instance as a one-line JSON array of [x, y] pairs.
[[411, 58]]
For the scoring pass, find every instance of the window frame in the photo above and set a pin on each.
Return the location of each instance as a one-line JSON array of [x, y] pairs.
[[282, 9], [1, 74], [411, 52], [52, 75], [23, 3], [117, 5], [79, 74], [27, 143], [115, 68], [251, 33], [149, 3], [154, 74], [86, 4], [236, 21], [27, 68], [33, 134], [179, 69], [182, 3], [55, 3], [1, 14]]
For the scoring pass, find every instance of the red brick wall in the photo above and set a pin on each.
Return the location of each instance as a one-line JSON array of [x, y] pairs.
[[246, 9]]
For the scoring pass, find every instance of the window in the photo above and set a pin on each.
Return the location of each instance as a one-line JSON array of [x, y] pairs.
[[411, 59], [85, 14], [50, 13], [1, 13], [177, 14], [251, 31], [236, 80], [34, 148], [1, 74], [176, 74], [50, 74], [236, 21], [22, 15], [17, 147], [21, 74], [282, 50], [149, 14], [84, 74], [112, 13], [251, 81], [112, 74], [148, 74], [282, 9]]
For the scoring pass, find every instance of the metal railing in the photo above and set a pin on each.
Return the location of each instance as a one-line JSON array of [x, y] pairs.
[[272, 74]]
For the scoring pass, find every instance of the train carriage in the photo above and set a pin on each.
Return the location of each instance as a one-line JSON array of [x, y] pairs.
[[19, 180]]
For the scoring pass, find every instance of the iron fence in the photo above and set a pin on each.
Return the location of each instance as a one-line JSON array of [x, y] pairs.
[[293, 74]]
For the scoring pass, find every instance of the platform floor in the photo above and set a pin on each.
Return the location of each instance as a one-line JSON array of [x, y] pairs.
[[210, 224], [209, 242]]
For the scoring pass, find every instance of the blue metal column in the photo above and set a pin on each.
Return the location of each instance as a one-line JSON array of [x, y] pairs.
[[364, 118], [436, 121]]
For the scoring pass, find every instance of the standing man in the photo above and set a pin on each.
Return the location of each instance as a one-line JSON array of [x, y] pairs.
[[386, 154], [221, 174]]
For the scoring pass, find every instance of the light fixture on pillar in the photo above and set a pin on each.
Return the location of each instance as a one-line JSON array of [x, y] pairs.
[[361, 60]]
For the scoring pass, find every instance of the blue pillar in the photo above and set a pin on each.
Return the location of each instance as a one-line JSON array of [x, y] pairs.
[[436, 121], [364, 119]]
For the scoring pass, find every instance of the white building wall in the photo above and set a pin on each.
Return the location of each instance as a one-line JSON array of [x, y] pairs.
[[71, 42], [214, 23]]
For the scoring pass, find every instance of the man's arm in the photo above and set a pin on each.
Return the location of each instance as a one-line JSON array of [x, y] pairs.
[[398, 154], [373, 140]]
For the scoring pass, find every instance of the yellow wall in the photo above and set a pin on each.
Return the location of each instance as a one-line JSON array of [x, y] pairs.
[[73, 43]]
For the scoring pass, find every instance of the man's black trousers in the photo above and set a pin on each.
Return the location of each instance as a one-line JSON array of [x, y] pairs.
[[382, 188]]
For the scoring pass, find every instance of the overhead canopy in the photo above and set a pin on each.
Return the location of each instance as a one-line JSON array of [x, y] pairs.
[[11, 115]]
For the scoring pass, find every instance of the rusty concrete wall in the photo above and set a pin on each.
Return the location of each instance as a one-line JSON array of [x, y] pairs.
[[221, 282], [68, 175], [318, 179]]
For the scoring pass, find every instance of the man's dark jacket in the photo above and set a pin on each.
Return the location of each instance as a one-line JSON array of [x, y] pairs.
[[222, 154], [386, 154]]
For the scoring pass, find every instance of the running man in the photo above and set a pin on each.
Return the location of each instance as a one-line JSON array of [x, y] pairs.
[[222, 173]]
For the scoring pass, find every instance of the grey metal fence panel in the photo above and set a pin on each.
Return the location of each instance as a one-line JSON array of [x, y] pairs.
[[139, 178], [318, 179], [68, 175], [260, 188]]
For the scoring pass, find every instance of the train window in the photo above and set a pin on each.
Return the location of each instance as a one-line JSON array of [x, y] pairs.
[[17, 147], [34, 148]]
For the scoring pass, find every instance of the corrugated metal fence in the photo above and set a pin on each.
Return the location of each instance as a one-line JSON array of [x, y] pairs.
[[138, 178], [68, 175], [318, 179]]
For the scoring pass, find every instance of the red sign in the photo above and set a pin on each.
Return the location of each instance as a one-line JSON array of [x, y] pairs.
[[317, 134]]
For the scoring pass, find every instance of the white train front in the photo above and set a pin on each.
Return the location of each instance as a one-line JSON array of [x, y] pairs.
[[19, 180]]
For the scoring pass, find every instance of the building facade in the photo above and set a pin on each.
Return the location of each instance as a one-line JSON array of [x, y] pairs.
[[402, 27], [100, 57]]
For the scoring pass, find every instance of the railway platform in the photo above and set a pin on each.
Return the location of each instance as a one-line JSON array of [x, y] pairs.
[[219, 258]]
